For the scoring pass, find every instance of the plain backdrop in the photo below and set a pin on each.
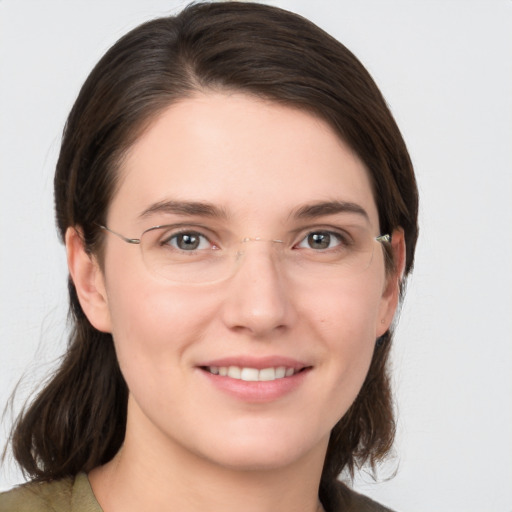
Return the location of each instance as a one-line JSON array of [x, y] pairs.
[[445, 68]]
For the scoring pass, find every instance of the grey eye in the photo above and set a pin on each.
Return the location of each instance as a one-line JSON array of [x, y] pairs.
[[188, 241], [320, 240]]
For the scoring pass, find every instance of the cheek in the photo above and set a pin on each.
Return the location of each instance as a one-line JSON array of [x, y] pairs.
[[152, 325], [349, 310], [345, 319]]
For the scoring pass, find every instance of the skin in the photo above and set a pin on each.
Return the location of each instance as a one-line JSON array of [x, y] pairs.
[[258, 161]]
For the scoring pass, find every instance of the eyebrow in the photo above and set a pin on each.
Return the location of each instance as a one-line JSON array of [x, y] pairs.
[[310, 211], [205, 209], [196, 208]]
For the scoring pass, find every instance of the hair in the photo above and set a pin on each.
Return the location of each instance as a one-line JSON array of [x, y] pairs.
[[78, 420]]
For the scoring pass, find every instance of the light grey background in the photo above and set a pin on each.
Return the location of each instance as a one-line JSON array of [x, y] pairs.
[[445, 68]]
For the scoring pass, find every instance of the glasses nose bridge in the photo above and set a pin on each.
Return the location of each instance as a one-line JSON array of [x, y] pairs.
[[267, 261], [257, 242]]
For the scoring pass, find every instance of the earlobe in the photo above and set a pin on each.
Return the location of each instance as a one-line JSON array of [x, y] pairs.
[[391, 292], [88, 280]]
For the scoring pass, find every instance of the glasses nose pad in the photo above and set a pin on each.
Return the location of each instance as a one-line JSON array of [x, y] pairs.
[[240, 252]]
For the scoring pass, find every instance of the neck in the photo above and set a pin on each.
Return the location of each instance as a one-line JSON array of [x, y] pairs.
[[157, 476]]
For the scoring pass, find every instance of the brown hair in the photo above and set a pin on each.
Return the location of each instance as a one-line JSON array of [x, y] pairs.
[[78, 420]]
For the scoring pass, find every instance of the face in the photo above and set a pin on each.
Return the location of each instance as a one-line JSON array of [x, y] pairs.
[[255, 165]]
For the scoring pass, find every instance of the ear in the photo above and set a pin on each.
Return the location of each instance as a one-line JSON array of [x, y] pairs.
[[88, 280], [391, 292]]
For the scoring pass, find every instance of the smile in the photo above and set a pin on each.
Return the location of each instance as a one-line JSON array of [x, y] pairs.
[[252, 374]]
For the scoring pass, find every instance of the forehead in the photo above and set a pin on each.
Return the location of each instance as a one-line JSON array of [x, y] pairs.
[[248, 156]]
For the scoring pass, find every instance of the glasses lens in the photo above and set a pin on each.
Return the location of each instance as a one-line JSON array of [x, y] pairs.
[[189, 256]]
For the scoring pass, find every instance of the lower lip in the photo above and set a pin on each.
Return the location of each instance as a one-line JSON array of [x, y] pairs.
[[260, 391]]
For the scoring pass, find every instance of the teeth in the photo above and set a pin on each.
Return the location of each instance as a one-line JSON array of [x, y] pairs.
[[249, 374], [252, 374], [234, 372], [267, 374], [280, 372]]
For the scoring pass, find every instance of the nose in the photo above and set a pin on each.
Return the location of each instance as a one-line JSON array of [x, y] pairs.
[[257, 299]]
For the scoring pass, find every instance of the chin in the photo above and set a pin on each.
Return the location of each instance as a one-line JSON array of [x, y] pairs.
[[266, 453], [260, 460]]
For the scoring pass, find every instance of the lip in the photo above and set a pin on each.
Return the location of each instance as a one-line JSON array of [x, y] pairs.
[[259, 391]]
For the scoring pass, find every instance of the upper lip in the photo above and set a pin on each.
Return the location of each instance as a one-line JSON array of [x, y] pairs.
[[258, 363]]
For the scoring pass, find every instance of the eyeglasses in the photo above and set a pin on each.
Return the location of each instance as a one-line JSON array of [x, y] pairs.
[[192, 254]]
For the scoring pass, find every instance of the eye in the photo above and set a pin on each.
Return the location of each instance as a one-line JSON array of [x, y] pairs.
[[188, 241], [321, 240]]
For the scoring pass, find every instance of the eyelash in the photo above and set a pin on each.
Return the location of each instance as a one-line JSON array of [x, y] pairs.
[[342, 238], [185, 232]]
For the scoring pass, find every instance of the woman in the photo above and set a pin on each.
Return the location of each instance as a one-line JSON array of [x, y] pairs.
[[239, 211]]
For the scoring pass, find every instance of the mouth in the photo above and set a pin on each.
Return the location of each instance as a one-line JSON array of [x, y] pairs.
[[256, 380], [249, 374]]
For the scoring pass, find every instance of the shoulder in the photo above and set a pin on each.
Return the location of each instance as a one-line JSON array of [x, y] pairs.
[[351, 501], [35, 496], [72, 494]]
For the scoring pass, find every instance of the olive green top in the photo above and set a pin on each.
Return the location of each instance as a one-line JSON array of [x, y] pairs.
[[66, 495], [74, 494]]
